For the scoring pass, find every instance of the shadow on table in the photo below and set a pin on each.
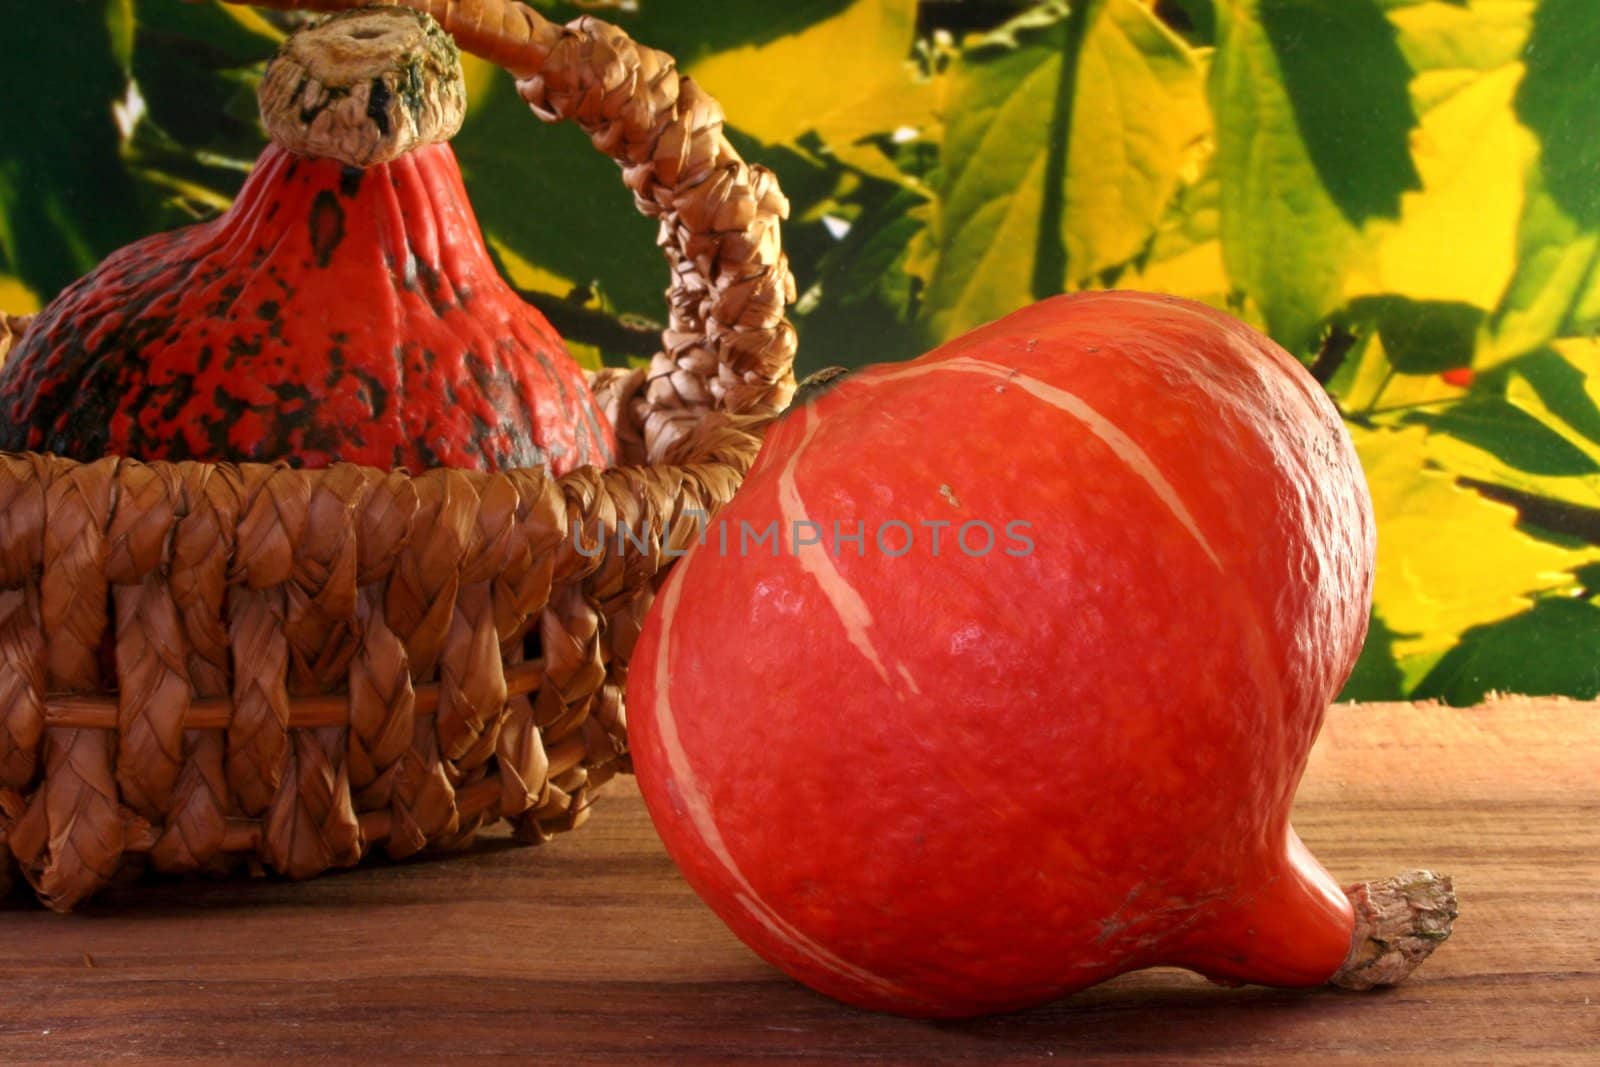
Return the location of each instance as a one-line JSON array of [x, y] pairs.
[[1152, 1016], [137, 892], [1165, 1011]]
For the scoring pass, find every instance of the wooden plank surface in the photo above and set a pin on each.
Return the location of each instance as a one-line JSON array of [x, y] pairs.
[[592, 949]]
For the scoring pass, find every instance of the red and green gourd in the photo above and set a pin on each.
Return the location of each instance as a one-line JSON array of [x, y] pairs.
[[344, 309]]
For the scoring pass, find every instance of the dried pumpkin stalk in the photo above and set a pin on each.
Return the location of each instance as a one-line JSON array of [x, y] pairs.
[[1399, 922], [368, 87]]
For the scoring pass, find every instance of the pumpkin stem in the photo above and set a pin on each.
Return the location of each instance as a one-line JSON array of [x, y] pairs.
[[364, 87], [1399, 922]]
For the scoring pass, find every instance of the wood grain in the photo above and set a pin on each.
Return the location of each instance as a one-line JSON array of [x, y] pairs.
[[592, 949]]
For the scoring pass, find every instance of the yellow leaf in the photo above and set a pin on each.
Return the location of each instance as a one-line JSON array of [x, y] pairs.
[[1025, 207], [252, 20], [479, 75], [906, 107], [1521, 393], [1139, 117], [1542, 469], [1583, 353], [1376, 387], [16, 298], [817, 79], [1448, 559], [1186, 256], [1461, 36], [195, 193], [1464, 460], [1456, 240], [1197, 273], [524, 274], [530, 277]]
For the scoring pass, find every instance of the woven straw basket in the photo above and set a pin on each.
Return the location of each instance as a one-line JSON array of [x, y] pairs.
[[312, 664]]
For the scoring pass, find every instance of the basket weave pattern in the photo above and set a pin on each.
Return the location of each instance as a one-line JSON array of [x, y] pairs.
[[310, 664]]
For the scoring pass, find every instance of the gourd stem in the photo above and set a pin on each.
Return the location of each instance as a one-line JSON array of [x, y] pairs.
[[364, 87], [1399, 922]]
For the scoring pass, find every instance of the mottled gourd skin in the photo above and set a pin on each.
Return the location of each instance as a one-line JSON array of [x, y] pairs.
[[332, 314], [953, 785]]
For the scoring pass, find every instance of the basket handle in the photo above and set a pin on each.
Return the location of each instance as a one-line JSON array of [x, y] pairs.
[[728, 345], [12, 327]]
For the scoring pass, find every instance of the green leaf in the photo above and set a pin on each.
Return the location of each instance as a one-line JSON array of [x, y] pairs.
[[557, 203], [1540, 438], [1138, 117], [1448, 559], [1202, 18], [772, 91], [1420, 336], [1549, 649], [690, 30], [865, 310], [1556, 289], [65, 196], [1377, 675], [119, 28], [1566, 381], [986, 224], [1369, 387], [190, 161], [1060, 156], [1456, 237], [1557, 101], [191, 52], [1285, 240], [1346, 80], [1511, 435], [1185, 254]]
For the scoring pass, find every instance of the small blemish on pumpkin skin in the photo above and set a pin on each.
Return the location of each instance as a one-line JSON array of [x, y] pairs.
[[220, 307], [350, 181], [239, 347], [949, 496], [327, 226]]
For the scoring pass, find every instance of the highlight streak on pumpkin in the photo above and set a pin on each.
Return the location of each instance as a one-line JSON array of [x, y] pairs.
[[698, 807], [853, 612], [1113, 437]]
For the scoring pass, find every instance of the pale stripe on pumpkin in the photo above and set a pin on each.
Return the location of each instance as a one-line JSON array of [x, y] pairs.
[[697, 806], [853, 612], [1112, 436]]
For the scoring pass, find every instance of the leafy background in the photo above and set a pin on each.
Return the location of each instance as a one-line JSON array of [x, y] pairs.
[[1405, 193]]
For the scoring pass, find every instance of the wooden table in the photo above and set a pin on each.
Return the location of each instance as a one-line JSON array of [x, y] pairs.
[[592, 949]]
